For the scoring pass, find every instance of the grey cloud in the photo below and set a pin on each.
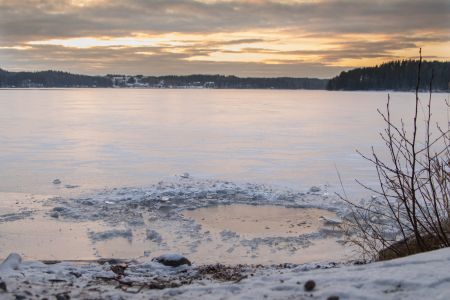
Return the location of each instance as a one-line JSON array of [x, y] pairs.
[[234, 42], [354, 49], [100, 61], [26, 19]]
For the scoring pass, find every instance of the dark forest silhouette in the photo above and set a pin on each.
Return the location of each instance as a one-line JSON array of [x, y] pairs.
[[395, 75], [51, 79]]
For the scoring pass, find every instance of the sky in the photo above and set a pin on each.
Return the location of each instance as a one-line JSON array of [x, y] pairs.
[[261, 38]]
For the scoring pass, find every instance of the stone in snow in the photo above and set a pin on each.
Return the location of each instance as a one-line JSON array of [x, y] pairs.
[[3, 286], [12, 262], [62, 296], [172, 260], [309, 285]]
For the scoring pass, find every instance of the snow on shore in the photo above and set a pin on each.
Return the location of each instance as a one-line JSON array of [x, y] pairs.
[[422, 276]]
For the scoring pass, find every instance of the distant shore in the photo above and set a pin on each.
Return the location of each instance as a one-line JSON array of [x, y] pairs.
[[391, 76], [195, 88]]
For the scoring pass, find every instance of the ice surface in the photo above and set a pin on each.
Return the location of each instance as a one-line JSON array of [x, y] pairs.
[[16, 216], [111, 234], [153, 235], [167, 209], [12, 262]]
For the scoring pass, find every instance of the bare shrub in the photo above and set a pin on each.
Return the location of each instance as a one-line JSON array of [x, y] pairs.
[[410, 210]]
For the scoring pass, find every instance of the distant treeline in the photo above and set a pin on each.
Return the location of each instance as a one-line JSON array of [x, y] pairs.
[[51, 79], [64, 79], [395, 75], [226, 82]]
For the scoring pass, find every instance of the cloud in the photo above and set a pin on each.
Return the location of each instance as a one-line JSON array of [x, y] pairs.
[[157, 62], [211, 36]]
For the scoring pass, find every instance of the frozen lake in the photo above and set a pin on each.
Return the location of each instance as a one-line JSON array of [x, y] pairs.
[[95, 138], [252, 156]]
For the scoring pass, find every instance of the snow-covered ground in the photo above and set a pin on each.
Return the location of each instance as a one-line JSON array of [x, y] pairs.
[[422, 276]]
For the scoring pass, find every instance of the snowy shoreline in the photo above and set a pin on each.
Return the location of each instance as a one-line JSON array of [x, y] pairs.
[[422, 276]]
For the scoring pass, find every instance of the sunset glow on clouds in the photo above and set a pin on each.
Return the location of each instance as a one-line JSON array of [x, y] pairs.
[[249, 38]]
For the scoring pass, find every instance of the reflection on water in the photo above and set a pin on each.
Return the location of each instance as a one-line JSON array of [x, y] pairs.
[[116, 137], [269, 221], [260, 221], [36, 236]]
